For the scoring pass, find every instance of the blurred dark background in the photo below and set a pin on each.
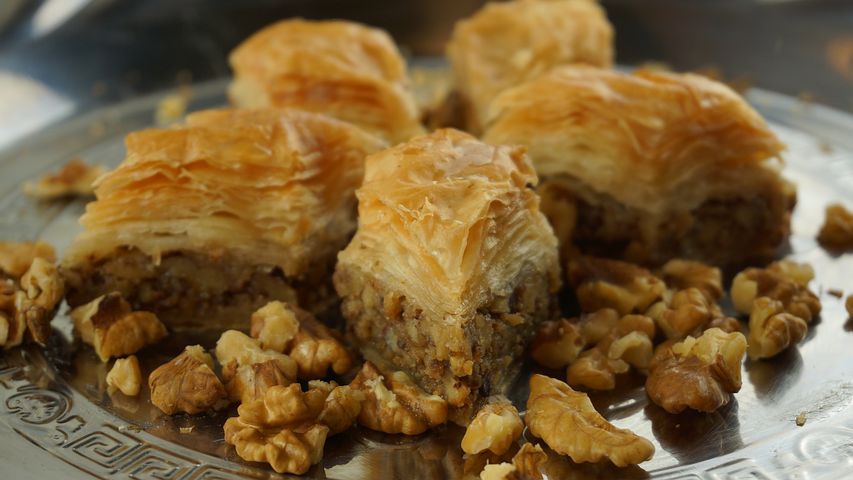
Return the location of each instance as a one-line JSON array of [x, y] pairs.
[[94, 52]]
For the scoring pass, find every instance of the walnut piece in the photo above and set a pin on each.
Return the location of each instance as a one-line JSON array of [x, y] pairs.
[[681, 274], [848, 304], [125, 376], [772, 329], [568, 423], [274, 325], [495, 428], [16, 257], [75, 178], [314, 347], [187, 384], [41, 292], [837, 230], [597, 325], [527, 464], [688, 311], [395, 404], [250, 382], [287, 427], [699, 373], [603, 283], [239, 348], [595, 370], [108, 324], [799, 273], [557, 343], [784, 282]]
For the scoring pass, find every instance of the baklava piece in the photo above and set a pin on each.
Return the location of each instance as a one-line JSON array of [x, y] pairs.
[[650, 166], [452, 267], [505, 44], [209, 221], [343, 69]]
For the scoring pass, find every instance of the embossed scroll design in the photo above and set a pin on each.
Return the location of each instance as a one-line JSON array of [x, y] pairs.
[[51, 419]]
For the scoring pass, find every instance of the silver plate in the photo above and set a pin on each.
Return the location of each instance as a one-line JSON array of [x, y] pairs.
[[56, 400]]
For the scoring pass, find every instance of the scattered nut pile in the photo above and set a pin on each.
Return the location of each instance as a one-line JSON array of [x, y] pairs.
[[666, 325]]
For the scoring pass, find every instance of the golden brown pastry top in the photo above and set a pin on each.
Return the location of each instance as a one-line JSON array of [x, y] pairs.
[[451, 222], [344, 69], [507, 43], [272, 187], [647, 139]]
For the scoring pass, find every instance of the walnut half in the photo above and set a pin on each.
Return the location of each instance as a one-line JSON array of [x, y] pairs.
[[772, 329], [568, 423], [187, 384], [287, 428], [108, 324], [603, 283], [495, 428], [698, 373], [396, 404], [782, 281]]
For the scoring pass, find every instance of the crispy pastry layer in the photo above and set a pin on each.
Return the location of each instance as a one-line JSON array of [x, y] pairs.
[[450, 239], [344, 69], [507, 43], [233, 190], [676, 164]]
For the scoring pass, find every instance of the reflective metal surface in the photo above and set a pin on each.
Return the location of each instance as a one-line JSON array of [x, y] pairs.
[[54, 408]]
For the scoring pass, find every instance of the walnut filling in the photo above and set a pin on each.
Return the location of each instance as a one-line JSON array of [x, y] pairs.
[[192, 289], [460, 362], [722, 230]]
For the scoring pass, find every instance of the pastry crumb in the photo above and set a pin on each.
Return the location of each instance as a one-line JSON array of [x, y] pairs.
[[173, 107], [801, 419], [75, 179]]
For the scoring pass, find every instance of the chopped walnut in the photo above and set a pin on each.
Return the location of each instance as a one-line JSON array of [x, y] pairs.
[[782, 282], [42, 289], [799, 273], [16, 257], [75, 178], [837, 230], [495, 428], [726, 324], [557, 343], [597, 325], [635, 349], [848, 304], [772, 329], [568, 423], [313, 346], [287, 427], [594, 369], [125, 376], [602, 283], [187, 384], [688, 310], [681, 274], [250, 382], [108, 324], [237, 347], [698, 373], [274, 325], [12, 326], [395, 404], [499, 471]]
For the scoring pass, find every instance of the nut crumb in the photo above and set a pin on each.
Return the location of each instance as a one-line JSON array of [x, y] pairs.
[[848, 304], [187, 384], [835, 292], [125, 376], [568, 423], [75, 178], [186, 430], [698, 373], [495, 428], [801, 419], [837, 230], [395, 404], [108, 324]]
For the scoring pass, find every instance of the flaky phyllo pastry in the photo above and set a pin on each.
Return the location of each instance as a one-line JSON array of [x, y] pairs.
[[507, 43], [213, 219], [343, 69], [452, 265], [649, 166]]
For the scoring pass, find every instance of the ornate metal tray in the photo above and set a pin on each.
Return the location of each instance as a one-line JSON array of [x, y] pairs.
[[57, 421]]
